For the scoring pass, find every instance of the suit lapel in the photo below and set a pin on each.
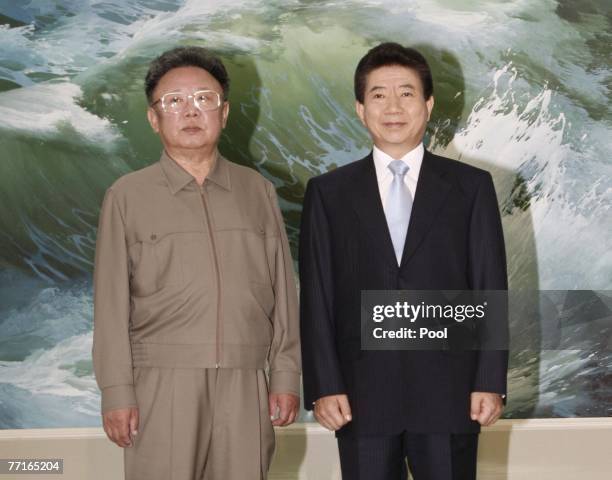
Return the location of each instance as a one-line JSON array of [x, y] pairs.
[[432, 190], [368, 207]]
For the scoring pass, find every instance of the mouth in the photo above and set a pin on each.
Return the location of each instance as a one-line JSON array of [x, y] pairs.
[[191, 129], [394, 124]]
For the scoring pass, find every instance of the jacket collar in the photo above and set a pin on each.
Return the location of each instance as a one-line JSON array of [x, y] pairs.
[[178, 178], [431, 193]]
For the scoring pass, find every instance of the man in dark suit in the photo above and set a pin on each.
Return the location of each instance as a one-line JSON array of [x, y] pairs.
[[401, 218]]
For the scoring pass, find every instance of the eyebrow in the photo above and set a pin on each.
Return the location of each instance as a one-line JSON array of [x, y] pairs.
[[380, 87], [197, 89]]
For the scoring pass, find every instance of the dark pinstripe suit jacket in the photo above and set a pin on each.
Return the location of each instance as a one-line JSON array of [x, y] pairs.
[[454, 241]]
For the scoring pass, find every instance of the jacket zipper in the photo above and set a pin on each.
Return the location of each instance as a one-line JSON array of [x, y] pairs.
[[217, 276]]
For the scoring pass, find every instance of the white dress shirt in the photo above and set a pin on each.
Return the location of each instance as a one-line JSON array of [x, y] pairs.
[[384, 176]]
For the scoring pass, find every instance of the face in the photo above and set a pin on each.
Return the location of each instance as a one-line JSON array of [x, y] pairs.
[[192, 128], [394, 110]]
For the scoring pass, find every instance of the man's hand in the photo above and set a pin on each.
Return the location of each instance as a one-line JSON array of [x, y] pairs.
[[333, 411], [121, 425], [287, 405], [486, 407]]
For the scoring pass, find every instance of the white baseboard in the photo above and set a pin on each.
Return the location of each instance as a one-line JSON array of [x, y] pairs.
[[540, 449]]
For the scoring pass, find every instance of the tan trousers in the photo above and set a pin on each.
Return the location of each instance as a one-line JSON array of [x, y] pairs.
[[201, 424]]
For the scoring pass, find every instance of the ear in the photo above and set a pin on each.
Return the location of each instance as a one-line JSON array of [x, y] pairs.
[[153, 118], [360, 109], [430, 105], [224, 113]]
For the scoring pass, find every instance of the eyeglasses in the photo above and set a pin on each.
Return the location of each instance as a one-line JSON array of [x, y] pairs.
[[176, 102]]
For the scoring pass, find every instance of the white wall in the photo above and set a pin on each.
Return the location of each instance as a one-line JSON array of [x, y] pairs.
[[547, 449]]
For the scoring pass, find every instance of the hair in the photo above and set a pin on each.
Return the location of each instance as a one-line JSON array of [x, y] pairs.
[[185, 57], [388, 54]]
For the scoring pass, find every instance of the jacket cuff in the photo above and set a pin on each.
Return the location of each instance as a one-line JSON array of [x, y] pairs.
[[285, 382], [118, 396]]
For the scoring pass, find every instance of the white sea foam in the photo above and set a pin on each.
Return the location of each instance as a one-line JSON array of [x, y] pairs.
[[57, 375], [53, 314], [52, 372], [42, 110], [571, 198], [98, 33]]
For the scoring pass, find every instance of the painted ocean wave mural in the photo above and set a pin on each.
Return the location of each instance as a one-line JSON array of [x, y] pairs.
[[522, 89]]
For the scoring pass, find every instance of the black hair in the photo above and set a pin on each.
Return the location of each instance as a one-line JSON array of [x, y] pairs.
[[388, 54], [185, 57]]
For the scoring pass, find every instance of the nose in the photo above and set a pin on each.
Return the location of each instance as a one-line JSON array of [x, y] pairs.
[[190, 109], [393, 103]]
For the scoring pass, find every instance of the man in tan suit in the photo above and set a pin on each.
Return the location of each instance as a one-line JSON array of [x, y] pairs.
[[194, 295]]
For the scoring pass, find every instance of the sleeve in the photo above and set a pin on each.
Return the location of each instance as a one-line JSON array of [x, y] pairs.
[[488, 271], [322, 374], [112, 358], [284, 359]]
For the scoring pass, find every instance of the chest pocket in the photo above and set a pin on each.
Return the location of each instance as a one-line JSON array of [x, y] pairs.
[[245, 253], [157, 262]]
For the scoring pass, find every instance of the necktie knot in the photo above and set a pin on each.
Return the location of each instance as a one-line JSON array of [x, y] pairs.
[[398, 167]]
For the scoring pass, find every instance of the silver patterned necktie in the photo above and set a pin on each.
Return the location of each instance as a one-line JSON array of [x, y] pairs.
[[399, 206]]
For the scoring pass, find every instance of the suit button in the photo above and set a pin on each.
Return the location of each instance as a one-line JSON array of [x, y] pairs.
[[153, 237], [261, 230]]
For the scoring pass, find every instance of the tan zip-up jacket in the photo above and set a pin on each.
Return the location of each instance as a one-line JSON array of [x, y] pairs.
[[190, 276]]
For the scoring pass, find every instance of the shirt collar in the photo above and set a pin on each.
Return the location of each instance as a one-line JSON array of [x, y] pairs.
[[413, 159], [178, 178]]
